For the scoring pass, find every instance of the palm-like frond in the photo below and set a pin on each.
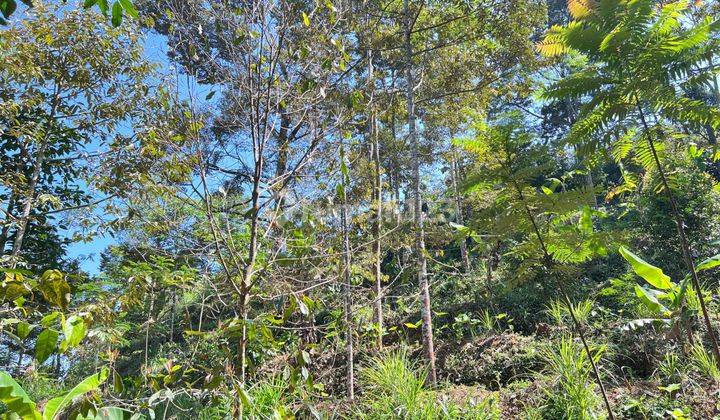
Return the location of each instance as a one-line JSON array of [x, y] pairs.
[[585, 82], [580, 9], [669, 18]]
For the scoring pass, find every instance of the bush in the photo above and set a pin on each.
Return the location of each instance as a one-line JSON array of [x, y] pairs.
[[491, 361]]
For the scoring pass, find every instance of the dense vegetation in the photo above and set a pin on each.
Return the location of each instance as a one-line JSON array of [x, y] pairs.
[[480, 209]]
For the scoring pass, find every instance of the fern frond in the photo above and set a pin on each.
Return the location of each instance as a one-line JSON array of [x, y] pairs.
[[615, 38], [621, 148], [583, 37], [563, 203], [685, 110], [669, 18], [629, 184], [644, 155], [580, 9], [577, 85], [595, 120], [554, 43]]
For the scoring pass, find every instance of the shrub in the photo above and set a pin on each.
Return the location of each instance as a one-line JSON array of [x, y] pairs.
[[493, 361]]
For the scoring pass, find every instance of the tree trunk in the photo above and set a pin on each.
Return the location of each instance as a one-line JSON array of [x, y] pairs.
[[29, 200], [454, 175], [249, 269], [548, 264], [6, 228], [347, 288], [34, 177], [373, 138], [419, 216]]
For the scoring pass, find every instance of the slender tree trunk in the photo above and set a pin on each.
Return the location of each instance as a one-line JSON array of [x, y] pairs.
[[29, 200], [34, 177], [679, 225], [454, 174], [6, 228], [249, 269], [172, 316], [548, 264], [419, 215], [147, 328], [347, 287], [489, 277], [377, 198]]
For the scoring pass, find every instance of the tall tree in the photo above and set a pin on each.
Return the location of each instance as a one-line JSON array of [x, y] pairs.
[[640, 55], [68, 82], [281, 71]]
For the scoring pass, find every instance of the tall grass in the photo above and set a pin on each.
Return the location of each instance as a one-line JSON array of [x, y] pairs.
[[704, 362], [394, 388], [573, 396], [558, 311], [266, 399]]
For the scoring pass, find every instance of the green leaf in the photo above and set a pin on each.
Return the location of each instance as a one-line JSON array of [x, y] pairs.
[[74, 329], [413, 326], [245, 398], [55, 288], [116, 18], [129, 8], [650, 273], [118, 383], [89, 3], [54, 407], [7, 7], [709, 263], [13, 286], [649, 300], [670, 388], [585, 224], [16, 399], [23, 329], [45, 345], [49, 319], [106, 413], [306, 19]]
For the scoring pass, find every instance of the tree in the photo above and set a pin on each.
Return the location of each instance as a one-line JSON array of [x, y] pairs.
[[119, 7], [557, 226], [643, 62], [68, 82], [280, 69]]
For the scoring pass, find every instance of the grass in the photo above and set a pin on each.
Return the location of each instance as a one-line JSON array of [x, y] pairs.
[[704, 362], [394, 388], [573, 396]]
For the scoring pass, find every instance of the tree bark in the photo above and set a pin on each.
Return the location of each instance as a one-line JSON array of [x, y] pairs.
[[419, 216], [373, 139], [34, 177]]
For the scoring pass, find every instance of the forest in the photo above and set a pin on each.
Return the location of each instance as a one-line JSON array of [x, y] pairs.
[[359, 209]]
